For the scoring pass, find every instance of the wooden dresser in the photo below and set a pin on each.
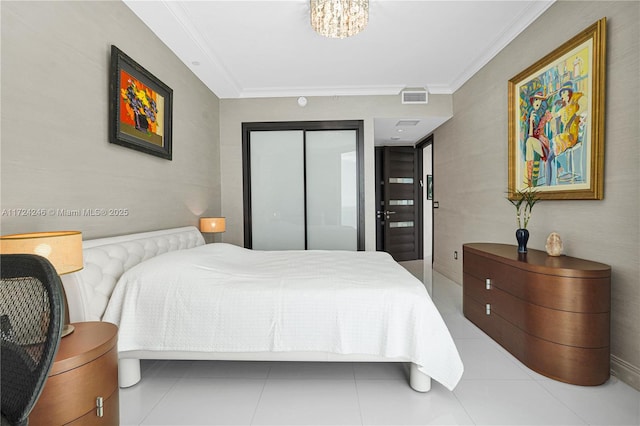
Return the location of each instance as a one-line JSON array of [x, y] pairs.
[[83, 377], [552, 313]]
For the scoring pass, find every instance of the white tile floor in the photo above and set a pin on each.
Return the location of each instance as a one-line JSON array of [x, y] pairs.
[[496, 389]]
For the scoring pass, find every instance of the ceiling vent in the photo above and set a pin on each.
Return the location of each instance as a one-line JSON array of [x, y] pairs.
[[414, 96], [405, 123]]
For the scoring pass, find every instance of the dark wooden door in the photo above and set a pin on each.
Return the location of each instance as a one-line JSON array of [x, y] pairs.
[[399, 212]]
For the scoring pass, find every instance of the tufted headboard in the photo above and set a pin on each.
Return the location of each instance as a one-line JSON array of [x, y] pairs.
[[106, 259]]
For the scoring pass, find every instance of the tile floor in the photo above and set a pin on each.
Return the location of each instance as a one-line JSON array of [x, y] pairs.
[[496, 389]]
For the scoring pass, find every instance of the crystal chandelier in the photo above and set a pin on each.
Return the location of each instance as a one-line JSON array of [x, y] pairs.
[[339, 18]]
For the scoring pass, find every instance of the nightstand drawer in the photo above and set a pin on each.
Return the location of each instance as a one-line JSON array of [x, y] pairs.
[[85, 368], [110, 413]]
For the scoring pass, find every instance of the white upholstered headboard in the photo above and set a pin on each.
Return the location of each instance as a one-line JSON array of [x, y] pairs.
[[106, 259]]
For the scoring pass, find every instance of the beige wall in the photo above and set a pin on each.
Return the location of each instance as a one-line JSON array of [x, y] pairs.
[[233, 112], [471, 167], [55, 150]]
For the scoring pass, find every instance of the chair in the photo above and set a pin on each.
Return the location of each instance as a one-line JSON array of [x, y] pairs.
[[31, 321], [574, 176]]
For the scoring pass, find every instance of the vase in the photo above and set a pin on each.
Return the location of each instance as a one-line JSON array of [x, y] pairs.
[[522, 235]]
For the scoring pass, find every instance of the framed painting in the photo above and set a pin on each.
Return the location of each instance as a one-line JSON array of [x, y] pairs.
[[556, 121], [140, 107], [429, 187]]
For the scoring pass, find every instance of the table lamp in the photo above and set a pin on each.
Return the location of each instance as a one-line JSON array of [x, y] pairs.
[[62, 248], [212, 224]]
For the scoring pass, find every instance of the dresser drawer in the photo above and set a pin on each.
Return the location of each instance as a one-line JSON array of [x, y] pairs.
[[553, 291], [586, 330], [575, 365]]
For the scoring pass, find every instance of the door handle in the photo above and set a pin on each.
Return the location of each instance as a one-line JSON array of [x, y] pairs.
[[387, 213]]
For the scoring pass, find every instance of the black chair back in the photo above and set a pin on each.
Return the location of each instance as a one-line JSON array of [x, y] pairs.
[[31, 321]]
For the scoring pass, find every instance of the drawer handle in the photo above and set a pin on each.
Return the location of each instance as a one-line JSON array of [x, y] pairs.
[[99, 407], [487, 283], [488, 307]]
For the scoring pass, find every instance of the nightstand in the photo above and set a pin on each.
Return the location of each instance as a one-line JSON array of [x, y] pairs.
[[82, 386]]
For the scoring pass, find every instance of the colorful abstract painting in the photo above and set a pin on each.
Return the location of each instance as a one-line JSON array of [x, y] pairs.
[[556, 121], [140, 108]]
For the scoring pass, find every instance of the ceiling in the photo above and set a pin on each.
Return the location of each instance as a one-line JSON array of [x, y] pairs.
[[263, 48]]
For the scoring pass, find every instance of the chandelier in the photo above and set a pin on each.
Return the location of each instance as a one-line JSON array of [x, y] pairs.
[[339, 18]]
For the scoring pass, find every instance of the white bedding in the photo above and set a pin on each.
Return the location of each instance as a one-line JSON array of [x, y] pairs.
[[224, 298]]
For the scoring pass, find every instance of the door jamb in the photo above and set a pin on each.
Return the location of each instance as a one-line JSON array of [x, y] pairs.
[[428, 140]]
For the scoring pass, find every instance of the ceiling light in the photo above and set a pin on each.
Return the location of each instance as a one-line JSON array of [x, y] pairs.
[[339, 18]]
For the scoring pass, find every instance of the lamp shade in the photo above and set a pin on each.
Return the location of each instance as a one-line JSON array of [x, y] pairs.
[[62, 248], [212, 224]]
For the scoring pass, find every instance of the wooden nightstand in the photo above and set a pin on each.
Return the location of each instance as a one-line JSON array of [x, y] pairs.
[[85, 370]]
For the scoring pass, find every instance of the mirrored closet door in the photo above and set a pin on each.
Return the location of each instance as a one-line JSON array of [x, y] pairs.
[[302, 185]]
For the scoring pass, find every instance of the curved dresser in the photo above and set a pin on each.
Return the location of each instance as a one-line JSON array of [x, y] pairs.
[[552, 313]]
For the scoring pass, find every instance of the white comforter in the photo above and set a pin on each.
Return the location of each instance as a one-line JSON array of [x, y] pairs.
[[224, 298]]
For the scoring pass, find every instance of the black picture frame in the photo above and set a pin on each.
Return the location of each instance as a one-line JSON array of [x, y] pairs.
[[429, 187], [140, 108]]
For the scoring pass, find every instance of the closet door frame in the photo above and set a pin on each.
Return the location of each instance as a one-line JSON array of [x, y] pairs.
[[304, 126]]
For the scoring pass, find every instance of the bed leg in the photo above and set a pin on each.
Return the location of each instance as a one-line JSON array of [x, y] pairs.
[[419, 381], [128, 372]]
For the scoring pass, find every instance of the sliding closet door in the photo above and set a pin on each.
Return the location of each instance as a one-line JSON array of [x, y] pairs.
[[332, 190], [303, 187], [277, 190]]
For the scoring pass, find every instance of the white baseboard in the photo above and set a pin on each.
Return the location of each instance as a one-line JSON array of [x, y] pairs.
[[630, 374]]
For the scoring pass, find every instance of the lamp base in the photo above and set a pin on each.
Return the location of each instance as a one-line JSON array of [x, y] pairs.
[[67, 329]]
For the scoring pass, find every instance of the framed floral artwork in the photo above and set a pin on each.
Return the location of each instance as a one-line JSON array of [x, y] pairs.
[[556, 121], [140, 107]]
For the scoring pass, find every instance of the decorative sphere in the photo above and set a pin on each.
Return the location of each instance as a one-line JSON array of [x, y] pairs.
[[554, 244]]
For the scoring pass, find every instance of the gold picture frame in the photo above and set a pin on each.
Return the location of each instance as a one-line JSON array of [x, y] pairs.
[[556, 121]]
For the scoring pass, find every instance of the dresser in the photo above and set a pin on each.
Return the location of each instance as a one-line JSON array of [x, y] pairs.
[[82, 387], [550, 312]]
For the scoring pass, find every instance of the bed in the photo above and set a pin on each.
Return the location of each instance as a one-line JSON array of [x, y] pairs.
[[175, 297]]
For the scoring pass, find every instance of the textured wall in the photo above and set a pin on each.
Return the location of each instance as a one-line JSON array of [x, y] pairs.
[[55, 149], [471, 166]]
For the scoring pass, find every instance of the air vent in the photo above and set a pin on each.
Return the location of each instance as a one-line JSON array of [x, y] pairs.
[[407, 123], [414, 97]]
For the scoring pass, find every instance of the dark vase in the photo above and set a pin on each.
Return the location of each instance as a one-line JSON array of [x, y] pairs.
[[522, 235]]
